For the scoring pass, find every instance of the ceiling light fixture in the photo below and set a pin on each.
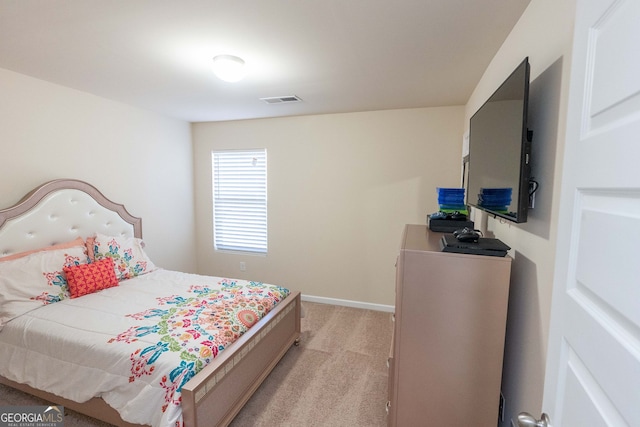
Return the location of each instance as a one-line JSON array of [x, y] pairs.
[[229, 68]]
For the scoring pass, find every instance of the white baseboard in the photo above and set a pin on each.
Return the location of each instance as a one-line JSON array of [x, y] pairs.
[[349, 303]]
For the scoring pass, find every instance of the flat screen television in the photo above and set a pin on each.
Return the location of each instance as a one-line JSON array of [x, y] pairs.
[[497, 175]]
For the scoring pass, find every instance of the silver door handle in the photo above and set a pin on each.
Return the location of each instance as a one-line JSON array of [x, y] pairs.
[[528, 420]]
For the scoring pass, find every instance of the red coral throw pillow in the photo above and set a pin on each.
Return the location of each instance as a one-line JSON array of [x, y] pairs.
[[88, 278]]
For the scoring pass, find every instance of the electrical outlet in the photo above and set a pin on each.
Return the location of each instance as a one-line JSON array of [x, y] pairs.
[[243, 266]]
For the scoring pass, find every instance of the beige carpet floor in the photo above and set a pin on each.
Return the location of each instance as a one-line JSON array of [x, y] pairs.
[[336, 377]]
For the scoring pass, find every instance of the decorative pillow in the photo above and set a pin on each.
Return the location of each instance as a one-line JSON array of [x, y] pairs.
[[89, 278], [35, 280], [129, 258], [76, 242]]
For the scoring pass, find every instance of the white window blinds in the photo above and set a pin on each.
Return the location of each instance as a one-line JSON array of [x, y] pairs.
[[240, 200]]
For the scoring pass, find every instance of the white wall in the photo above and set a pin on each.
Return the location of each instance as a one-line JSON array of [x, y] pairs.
[[341, 188], [135, 157], [544, 34]]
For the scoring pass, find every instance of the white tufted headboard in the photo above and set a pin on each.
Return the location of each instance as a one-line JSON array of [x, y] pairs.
[[59, 211]]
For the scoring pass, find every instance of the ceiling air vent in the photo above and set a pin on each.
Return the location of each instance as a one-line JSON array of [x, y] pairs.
[[281, 99]]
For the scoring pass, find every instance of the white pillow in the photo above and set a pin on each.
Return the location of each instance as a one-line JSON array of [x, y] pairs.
[[35, 280], [129, 258]]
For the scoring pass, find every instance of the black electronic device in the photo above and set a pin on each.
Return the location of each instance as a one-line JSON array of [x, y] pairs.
[[455, 216], [467, 235], [447, 225], [498, 175], [460, 231], [484, 246]]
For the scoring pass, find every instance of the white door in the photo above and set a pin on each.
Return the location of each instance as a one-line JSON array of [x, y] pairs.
[[593, 364]]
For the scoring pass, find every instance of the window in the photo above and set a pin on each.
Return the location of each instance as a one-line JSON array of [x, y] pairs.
[[240, 200]]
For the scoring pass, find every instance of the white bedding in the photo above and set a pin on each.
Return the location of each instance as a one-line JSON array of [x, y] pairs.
[[134, 345]]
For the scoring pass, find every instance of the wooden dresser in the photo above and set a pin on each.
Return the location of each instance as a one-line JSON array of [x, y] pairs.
[[445, 364]]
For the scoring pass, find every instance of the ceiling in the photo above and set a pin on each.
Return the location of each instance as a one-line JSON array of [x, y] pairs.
[[336, 55]]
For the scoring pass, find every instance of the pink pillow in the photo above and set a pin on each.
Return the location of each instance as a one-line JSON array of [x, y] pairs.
[[89, 278], [76, 242]]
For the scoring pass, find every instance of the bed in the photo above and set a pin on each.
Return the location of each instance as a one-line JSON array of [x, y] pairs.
[[144, 316]]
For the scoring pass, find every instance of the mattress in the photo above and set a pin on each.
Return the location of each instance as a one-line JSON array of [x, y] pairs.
[[134, 345]]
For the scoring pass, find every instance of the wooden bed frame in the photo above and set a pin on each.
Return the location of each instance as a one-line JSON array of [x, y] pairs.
[[62, 210]]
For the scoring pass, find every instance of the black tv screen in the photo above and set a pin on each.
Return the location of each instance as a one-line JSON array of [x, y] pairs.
[[499, 150]]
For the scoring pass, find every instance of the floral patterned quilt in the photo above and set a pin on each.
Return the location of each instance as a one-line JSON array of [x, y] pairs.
[[137, 344]]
